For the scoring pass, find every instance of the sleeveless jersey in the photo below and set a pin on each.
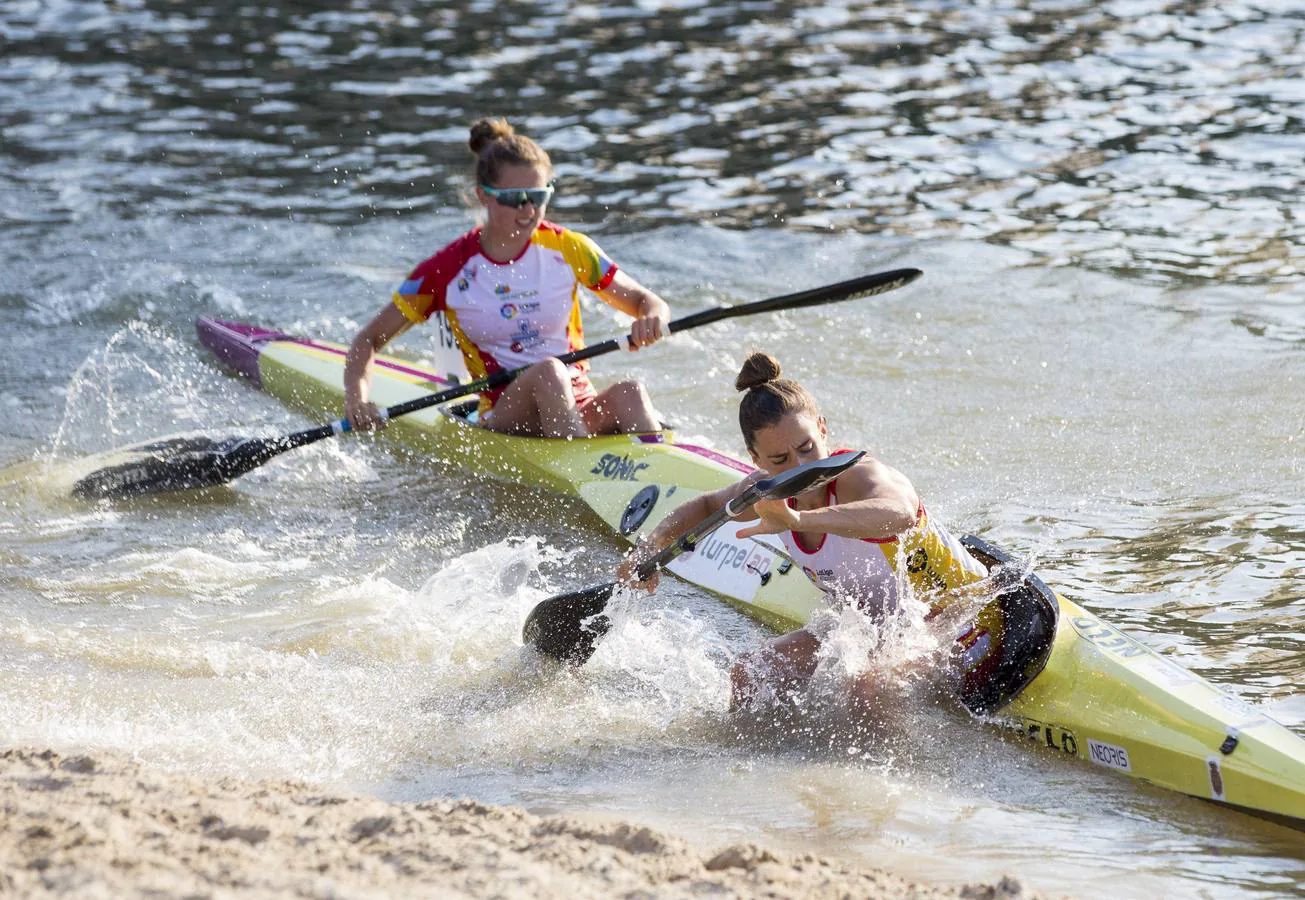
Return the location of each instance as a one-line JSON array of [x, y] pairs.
[[505, 315], [871, 572]]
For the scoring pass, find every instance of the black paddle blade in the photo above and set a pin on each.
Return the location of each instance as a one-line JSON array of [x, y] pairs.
[[854, 289], [178, 464], [567, 627], [806, 476]]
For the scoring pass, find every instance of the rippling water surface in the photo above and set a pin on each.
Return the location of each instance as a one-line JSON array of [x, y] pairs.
[[1102, 370]]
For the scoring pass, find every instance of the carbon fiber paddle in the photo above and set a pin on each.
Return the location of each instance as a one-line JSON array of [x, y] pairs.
[[567, 627], [189, 463]]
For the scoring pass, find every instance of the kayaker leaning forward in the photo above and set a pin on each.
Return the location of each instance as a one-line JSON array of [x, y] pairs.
[[854, 537], [510, 292]]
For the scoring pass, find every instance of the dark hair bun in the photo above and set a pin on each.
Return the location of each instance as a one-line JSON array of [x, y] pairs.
[[758, 369], [485, 131]]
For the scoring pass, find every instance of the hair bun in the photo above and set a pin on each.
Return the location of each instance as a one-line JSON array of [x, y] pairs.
[[485, 131], [758, 369]]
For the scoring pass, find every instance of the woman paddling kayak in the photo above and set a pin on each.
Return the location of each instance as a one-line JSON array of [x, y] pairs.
[[509, 290], [860, 538]]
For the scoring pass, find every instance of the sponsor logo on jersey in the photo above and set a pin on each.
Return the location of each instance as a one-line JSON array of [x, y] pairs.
[[527, 333], [463, 284], [508, 310], [502, 289], [820, 577]]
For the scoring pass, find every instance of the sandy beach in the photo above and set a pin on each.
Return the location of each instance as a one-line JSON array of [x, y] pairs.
[[101, 825]]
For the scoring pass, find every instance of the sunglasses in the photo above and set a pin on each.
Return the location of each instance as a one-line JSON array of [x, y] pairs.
[[516, 198]]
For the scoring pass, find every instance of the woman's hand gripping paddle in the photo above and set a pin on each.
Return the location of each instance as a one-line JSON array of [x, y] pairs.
[[567, 626], [201, 462]]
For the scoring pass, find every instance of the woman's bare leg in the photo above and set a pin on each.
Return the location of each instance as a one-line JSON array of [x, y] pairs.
[[539, 403], [883, 690], [782, 665], [623, 408]]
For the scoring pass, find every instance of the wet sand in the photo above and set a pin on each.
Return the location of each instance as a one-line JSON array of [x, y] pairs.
[[102, 825]]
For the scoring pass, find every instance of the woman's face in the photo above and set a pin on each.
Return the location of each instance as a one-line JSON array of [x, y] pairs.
[[507, 223], [793, 440]]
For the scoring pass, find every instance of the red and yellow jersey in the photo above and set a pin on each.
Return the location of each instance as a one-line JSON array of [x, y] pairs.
[[505, 315]]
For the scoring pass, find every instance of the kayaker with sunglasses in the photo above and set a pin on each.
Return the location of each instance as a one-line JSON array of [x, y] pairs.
[[861, 538], [509, 290]]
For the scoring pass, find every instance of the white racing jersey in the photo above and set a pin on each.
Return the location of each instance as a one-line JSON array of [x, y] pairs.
[[873, 574], [506, 315]]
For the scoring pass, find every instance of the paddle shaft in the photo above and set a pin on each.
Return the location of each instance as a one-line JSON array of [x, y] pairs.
[[566, 627], [199, 463], [865, 286], [687, 541], [557, 626]]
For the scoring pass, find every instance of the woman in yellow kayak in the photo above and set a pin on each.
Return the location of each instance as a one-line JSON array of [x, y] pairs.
[[509, 290], [859, 538]]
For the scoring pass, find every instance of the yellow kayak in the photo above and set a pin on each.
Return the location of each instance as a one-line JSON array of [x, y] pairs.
[[1064, 678], [629, 481], [1097, 694]]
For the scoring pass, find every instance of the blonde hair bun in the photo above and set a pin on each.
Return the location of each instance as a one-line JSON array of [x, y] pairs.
[[488, 130], [496, 144]]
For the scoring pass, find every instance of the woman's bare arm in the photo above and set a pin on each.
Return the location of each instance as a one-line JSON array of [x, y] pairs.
[[384, 327], [651, 313]]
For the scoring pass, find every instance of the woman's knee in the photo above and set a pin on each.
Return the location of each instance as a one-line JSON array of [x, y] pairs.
[[632, 394], [629, 404], [547, 373], [549, 383]]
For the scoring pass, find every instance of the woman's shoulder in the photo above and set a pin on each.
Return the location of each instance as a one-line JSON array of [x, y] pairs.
[[465, 245], [592, 267], [874, 477], [452, 256], [550, 233]]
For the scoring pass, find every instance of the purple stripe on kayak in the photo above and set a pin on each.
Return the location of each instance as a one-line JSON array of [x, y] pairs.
[[250, 332], [383, 363], [236, 345], [721, 458]]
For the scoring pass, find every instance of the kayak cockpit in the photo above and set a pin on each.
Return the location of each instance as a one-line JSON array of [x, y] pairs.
[[1028, 615]]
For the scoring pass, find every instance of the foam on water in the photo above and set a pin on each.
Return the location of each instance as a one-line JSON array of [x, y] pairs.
[[142, 381], [332, 672], [340, 682]]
